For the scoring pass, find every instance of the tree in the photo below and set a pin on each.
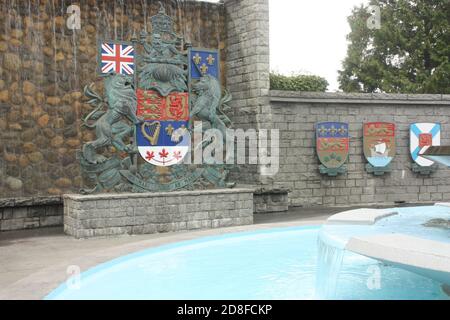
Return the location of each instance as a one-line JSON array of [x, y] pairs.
[[409, 53]]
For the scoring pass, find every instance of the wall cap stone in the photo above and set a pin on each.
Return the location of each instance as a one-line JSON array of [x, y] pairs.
[[30, 201], [268, 190], [115, 196], [358, 98]]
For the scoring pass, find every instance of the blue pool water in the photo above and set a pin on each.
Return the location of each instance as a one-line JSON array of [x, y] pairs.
[[269, 264]]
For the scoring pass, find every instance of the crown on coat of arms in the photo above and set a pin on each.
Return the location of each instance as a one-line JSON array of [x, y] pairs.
[[161, 22]]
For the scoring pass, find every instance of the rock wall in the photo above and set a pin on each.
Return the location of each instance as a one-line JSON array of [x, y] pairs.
[[295, 115], [44, 67]]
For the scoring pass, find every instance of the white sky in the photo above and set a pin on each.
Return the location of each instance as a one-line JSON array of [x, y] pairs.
[[309, 36]]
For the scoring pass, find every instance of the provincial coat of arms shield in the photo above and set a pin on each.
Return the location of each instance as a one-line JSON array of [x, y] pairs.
[[379, 145], [332, 143], [422, 136]]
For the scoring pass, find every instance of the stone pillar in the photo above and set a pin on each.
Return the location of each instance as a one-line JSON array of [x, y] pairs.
[[248, 71]]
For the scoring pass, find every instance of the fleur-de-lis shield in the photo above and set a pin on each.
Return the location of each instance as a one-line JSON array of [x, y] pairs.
[[203, 62], [332, 139]]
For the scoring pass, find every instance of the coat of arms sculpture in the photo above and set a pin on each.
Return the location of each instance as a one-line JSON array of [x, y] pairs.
[[422, 136], [332, 139], [144, 123], [379, 146]]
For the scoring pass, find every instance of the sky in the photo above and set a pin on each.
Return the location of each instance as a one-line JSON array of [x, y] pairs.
[[309, 36]]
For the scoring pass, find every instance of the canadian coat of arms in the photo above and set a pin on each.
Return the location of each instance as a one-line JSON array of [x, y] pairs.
[[379, 146], [332, 144], [155, 87]]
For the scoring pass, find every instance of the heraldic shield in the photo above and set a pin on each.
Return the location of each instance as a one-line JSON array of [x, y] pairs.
[[163, 138], [422, 136], [379, 144], [332, 139], [203, 62], [154, 87]]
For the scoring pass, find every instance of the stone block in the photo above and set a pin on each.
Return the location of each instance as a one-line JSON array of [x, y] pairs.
[[12, 224], [51, 221], [20, 212], [162, 212]]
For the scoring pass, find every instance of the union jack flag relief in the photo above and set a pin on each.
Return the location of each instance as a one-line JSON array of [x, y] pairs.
[[117, 57]]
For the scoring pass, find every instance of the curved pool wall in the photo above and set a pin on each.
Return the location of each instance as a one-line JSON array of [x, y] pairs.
[[333, 239], [277, 263]]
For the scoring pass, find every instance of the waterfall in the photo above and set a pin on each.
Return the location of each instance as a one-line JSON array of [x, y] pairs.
[[329, 263]]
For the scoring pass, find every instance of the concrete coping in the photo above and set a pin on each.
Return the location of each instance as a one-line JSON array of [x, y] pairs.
[[359, 98], [362, 216], [30, 201], [405, 250], [115, 196], [442, 204], [265, 191]]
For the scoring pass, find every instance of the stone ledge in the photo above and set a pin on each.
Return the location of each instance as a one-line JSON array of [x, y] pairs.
[[262, 191], [361, 216], [30, 201], [145, 213], [114, 196], [442, 204], [427, 257], [271, 200], [358, 98]]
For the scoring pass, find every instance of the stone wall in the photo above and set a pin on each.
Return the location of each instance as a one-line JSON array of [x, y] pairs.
[[30, 213], [271, 200], [107, 215], [44, 67], [295, 115], [248, 54]]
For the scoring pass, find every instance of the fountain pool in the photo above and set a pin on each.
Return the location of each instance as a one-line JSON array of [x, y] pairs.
[[278, 263]]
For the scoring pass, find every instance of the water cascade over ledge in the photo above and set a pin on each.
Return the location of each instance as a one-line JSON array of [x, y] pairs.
[[391, 238]]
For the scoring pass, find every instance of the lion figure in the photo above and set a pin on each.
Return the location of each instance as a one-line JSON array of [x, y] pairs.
[[109, 124]]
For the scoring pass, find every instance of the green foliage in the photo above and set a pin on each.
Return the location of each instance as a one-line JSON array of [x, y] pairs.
[[409, 54], [297, 82]]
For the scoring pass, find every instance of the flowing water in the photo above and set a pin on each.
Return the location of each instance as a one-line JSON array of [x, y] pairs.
[[329, 264], [332, 240]]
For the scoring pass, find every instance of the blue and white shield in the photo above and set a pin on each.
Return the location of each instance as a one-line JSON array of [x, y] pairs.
[[422, 136], [203, 62]]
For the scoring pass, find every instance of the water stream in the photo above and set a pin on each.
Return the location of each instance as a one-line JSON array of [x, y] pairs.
[[329, 263], [424, 222]]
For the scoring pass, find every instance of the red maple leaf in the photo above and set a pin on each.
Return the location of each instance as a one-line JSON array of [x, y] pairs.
[[177, 155], [150, 155], [163, 153]]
